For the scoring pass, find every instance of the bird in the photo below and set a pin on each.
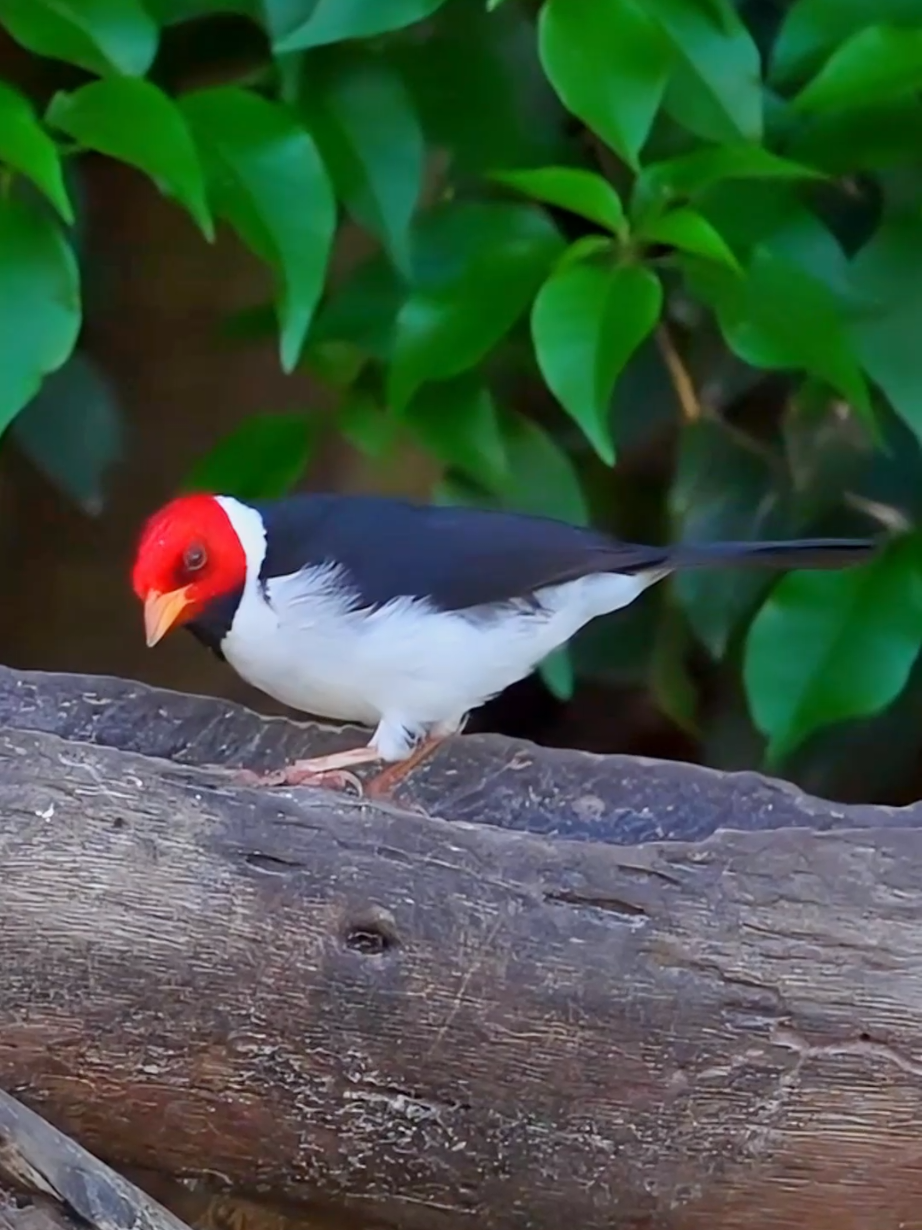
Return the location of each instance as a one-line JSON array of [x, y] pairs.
[[399, 616]]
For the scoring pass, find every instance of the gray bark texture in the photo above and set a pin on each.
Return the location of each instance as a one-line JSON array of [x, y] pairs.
[[544, 989]]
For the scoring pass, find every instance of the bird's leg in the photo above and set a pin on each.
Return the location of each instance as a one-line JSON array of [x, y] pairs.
[[382, 784], [330, 771]]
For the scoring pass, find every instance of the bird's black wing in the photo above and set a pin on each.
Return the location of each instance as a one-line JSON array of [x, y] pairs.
[[456, 557]]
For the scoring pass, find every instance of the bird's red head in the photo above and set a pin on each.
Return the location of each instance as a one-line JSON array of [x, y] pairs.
[[188, 555]]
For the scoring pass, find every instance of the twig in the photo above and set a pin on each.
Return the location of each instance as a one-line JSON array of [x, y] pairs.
[[681, 380]]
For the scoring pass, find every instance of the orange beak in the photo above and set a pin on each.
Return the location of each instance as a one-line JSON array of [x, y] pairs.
[[163, 611]]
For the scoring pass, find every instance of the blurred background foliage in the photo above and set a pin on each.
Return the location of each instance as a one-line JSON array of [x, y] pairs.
[[655, 264]]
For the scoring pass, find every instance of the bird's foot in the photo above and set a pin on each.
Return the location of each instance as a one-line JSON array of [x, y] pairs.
[[330, 772]]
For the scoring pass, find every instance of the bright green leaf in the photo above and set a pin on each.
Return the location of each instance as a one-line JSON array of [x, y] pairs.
[[476, 269], [27, 148], [72, 431], [39, 303], [103, 36], [609, 62], [587, 321], [779, 317], [688, 231], [829, 646], [135, 122], [458, 422], [717, 88], [266, 178], [888, 336], [366, 128], [875, 65], [813, 28], [295, 25], [581, 192], [261, 459], [692, 174]]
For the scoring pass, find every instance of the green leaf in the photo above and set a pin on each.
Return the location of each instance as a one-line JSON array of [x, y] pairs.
[[689, 231], [266, 178], [829, 646], [102, 36], [587, 321], [813, 28], [888, 338], [726, 489], [458, 422], [135, 122], [716, 90], [39, 303], [875, 65], [261, 459], [366, 424], [609, 62], [692, 174], [557, 674], [72, 431], [779, 317], [541, 479], [366, 128], [295, 25], [476, 267], [581, 192], [27, 148], [875, 138]]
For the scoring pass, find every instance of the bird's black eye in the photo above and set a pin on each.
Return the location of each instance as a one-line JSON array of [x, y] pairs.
[[194, 558]]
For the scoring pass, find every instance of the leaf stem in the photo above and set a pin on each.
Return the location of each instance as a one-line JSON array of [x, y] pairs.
[[678, 373]]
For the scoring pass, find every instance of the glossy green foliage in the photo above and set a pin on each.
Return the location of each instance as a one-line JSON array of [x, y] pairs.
[[673, 239]]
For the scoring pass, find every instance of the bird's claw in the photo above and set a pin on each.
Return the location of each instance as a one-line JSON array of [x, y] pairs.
[[293, 775]]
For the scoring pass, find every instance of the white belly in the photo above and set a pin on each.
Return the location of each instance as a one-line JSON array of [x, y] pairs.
[[404, 663]]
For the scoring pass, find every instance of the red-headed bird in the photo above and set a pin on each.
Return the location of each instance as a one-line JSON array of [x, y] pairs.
[[399, 616]]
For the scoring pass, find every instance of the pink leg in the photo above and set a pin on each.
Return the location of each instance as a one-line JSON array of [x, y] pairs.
[[329, 771]]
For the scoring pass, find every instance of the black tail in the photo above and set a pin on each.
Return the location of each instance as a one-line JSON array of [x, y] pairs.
[[798, 553]]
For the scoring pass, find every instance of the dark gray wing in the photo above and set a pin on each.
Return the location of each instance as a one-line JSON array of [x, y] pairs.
[[457, 557]]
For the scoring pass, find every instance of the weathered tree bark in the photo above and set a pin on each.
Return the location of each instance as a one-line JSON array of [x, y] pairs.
[[577, 990]]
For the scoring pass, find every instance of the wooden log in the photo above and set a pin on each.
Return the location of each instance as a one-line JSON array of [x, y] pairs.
[[69, 1186], [577, 990]]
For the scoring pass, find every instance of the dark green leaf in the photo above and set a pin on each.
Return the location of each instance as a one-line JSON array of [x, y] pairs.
[[27, 148], [261, 459], [828, 646], [813, 28], [888, 338], [458, 422], [726, 489], [581, 192], [366, 127], [363, 309], [670, 680], [609, 62], [587, 321], [39, 303], [779, 317], [267, 180], [874, 66], [135, 122], [296, 25], [72, 431], [872, 139], [169, 12], [540, 478], [717, 89], [103, 36], [557, 672], [476, 268], [689, 231], [480, 91], [366, 424], [692, 174]]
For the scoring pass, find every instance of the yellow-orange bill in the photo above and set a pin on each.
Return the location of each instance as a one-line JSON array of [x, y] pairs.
[[161, 611]]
